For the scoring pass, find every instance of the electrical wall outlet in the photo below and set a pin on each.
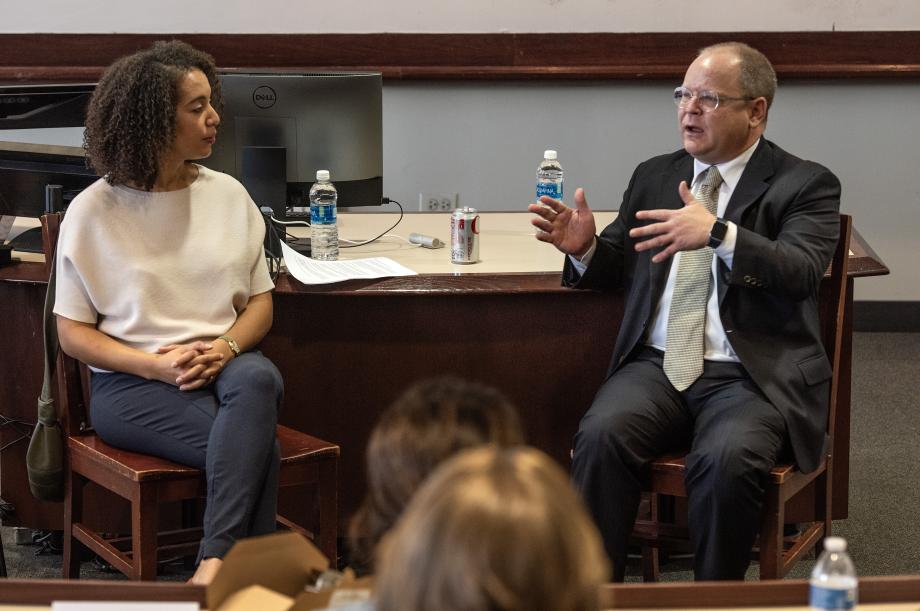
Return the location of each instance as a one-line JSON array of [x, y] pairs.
[[437, 202]]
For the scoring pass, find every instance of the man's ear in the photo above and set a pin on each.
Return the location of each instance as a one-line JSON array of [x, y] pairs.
[[758, 112]]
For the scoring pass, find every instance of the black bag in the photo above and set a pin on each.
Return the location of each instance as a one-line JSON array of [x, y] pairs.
[[45, 456]]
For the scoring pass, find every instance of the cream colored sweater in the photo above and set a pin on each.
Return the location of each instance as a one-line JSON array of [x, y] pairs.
[[151, 269]]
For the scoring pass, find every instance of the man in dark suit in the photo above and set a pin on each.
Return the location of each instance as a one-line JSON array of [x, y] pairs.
[[719, 349]]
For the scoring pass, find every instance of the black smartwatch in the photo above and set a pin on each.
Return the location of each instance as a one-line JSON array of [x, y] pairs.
[[717, 233]]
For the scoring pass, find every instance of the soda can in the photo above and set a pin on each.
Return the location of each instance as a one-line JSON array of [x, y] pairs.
[[464, 236]]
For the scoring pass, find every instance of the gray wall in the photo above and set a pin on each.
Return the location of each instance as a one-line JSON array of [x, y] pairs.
[[484, 141], [312, 16]]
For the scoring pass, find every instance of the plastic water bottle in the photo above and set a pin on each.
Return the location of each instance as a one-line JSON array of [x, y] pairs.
[[833, 580], [549, 176], [324, 234]]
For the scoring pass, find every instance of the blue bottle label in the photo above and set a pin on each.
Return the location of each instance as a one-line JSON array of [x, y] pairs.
[[550, 189], [831, 598], [322, 215]]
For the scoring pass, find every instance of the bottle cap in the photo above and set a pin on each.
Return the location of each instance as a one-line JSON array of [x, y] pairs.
[[549, 154], [322, 174], [835, 544]]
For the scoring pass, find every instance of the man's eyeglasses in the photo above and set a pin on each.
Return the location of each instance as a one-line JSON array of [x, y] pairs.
[[708, 100]]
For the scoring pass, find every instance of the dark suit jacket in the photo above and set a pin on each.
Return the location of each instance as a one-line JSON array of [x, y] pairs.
[[787, 214]]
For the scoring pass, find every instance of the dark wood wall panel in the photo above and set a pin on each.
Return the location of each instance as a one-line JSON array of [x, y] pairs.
[[882, 55]]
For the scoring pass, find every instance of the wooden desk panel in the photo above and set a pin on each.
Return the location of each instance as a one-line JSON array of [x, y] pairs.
[[46, 591], [900, 592], [22, 291], [346, 357]]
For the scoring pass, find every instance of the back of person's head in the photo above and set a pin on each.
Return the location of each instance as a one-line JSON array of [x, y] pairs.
[[493, 530], [131, 117], [430, 422]]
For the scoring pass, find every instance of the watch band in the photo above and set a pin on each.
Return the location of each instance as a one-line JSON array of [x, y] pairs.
[[717, 233], [234, 347]]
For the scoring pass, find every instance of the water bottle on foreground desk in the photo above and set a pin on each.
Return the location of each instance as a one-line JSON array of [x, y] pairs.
[[549, 176], [324, 235], [833, 580]]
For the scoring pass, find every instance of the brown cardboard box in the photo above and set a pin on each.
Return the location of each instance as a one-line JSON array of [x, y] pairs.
[[270, 573]]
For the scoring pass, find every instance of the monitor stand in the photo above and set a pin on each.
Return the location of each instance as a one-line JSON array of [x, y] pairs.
[[29, 240]]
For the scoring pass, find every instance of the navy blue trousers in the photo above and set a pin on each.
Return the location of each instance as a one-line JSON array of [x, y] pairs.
[[227, 429], [735, 436]]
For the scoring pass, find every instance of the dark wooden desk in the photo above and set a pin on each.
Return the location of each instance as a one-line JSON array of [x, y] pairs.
[[782, 593], [705, 595], [347, 350], [47, 591]]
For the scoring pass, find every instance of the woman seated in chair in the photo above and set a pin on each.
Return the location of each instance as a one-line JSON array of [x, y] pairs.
[[493, 530], [430, 422], [163, 290]]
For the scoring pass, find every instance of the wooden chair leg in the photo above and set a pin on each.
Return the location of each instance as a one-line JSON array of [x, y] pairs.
[[2, 559], [651, 567], [327, 489], [144, 534], [824, 495], [189, 519], [73, 513], [651, 559], [771, 535]]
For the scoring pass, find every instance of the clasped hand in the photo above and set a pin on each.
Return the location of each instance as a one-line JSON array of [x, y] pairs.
[[193, 365]]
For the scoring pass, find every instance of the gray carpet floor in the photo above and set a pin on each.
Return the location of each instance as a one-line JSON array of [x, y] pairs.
[[882, 530]]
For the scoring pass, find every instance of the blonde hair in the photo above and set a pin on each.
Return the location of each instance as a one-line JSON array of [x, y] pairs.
[[493, 530]]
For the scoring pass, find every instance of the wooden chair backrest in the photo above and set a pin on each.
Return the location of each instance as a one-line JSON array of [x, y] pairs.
[[73, 383], [832, 303], [72, 377]]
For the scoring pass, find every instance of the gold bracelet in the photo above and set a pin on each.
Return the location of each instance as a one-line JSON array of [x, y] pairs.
[[234, 347]]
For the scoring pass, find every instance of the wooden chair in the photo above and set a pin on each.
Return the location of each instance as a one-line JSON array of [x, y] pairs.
[[777, 554], [146, 481]]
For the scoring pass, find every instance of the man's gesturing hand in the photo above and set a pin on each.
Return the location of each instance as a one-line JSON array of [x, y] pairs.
[[571, 230], [686, 228]]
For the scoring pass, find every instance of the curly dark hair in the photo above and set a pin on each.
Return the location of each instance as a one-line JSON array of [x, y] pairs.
[[431, 421], [131, 118]]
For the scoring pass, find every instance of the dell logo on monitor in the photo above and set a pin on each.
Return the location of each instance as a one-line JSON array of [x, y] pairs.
[[264, 97]]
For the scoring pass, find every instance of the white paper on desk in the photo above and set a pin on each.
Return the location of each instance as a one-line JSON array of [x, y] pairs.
[[311, 271], [110, 605]]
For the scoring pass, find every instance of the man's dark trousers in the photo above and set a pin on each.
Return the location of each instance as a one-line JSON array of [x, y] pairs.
[[735, 437]]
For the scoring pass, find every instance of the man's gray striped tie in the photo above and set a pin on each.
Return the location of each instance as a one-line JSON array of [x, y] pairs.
[[683, 357]]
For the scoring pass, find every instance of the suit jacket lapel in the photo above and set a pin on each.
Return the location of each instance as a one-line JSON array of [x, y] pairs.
[[753, 182]]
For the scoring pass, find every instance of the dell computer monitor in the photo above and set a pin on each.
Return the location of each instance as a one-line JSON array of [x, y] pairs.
[[278, 128]]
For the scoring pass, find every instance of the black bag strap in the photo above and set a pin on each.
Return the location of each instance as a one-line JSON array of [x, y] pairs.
[[45, 456], [47, 414]]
